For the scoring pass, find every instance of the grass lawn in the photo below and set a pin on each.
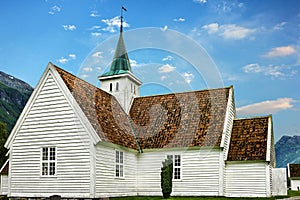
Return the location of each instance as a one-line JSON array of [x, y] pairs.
[[190, 198], [293, 193]]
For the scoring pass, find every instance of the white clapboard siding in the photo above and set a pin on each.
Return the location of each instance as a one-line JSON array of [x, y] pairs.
[[295, 184], [51, 122], [230, 116], [3, 184], [107, 185], [247, 179], [200, 172]]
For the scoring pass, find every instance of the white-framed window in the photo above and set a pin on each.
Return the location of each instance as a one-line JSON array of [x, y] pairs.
[[176, 158], [110, 87], [48, 161], [117, 86], [119, 169]]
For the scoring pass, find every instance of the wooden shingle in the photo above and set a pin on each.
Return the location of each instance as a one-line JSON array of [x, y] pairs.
[[181, 119], [249, 139], [294, 170]]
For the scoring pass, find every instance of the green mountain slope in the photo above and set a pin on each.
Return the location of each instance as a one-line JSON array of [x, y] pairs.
[[287, 150]]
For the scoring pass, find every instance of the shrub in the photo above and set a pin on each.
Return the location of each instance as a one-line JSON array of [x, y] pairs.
[[166, 177]]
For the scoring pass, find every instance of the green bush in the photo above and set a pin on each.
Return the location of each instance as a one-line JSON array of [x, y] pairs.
[[166, 177]]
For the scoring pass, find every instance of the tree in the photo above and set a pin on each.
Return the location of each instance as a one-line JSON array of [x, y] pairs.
[[3, 138], [166, 177]]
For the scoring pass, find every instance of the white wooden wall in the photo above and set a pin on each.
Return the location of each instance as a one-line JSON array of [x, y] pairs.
[[247, 179], [107, 185], [295, 184], [3, 184], [51, 121], [200, 172]]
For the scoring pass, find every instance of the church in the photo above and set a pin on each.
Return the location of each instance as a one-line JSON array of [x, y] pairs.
[[76, 140]]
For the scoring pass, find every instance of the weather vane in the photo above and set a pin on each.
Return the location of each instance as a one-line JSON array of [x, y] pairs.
[[121, 27]]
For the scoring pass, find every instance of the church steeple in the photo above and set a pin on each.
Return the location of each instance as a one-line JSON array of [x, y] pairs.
[[119, 80], [120, 63]]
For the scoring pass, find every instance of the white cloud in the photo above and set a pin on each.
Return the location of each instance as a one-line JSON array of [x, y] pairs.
[[163, 78], [273, 71], [232, 31], [200, 1], [280, 51], [64, 60], [180, 19], [279, 26], [188, 77], [168, 58], [113, 23], [87, 69], [69, 27], [164, 28], [211, 28], [95, 34], [266, 107], [228, 31], [94, 28], [94, 14], [166, 68], [54, 9], [72, 56], [97, 54], [133, 63], [84, 76]]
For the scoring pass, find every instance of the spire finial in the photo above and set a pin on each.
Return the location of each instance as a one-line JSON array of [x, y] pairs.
[[121, 26]]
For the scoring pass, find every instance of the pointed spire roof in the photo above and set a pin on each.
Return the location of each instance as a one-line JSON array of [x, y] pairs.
[[120, 63]]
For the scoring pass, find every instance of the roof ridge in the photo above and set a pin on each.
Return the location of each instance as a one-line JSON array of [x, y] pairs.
[[191, 91]]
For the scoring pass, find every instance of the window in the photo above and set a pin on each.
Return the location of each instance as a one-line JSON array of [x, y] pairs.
[[48, 161], [176, 166], [110, 87], [117, 86], [119, 164]]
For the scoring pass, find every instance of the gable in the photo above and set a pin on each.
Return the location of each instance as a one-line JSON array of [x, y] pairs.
[[180, 120], [49, 107], [249, 139]]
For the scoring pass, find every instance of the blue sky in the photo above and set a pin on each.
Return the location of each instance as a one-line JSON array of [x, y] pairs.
[[253, 45]]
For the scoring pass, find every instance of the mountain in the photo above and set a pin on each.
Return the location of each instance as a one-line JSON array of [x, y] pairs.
[[287, 150], [14, 94]]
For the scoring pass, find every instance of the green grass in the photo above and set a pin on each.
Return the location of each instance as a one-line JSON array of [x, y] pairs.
[[293, 193], [189, 198]]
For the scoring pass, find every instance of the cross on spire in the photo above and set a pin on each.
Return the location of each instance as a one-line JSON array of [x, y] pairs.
[[121, 26]]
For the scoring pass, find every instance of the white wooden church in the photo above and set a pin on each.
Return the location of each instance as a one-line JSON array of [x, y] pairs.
[[79, 141]]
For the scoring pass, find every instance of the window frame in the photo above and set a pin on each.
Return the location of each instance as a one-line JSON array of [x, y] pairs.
[[48, 161], [176, 167], [119, 164]]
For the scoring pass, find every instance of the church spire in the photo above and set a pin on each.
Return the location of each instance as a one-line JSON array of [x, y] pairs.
[[120, 63]]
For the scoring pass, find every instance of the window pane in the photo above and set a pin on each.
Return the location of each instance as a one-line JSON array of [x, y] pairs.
[[117, 171], [52, 168], [117, 157], [121, 170], [121, 157], [176, 173], [52, 153], [177, 160], [45, 169], [45, 153]]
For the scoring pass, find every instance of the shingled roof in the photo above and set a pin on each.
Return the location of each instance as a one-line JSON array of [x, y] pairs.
[[249, 139], [294, 170], [180, 120], [102, 110]]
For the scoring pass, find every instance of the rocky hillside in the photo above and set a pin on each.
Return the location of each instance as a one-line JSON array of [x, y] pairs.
[[14, 94], [287, 150]]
